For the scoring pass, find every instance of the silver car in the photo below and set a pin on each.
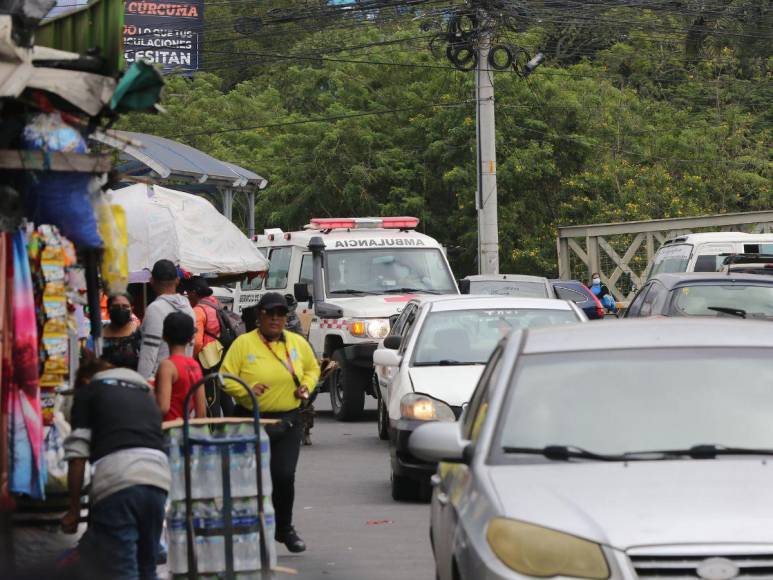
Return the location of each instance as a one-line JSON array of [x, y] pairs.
[[638, 449]]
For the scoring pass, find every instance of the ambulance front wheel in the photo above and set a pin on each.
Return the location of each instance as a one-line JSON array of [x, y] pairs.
[[347, 388]]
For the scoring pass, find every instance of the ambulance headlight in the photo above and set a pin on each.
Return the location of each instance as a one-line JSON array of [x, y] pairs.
[[376, 328]]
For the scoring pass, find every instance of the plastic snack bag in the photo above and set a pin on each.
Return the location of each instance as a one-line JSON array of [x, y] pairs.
[[112, 228]]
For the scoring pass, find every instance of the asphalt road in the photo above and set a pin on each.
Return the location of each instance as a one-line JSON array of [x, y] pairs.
[[345, 513]]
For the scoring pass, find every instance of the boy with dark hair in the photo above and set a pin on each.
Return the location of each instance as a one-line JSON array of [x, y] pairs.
[[178, 373]]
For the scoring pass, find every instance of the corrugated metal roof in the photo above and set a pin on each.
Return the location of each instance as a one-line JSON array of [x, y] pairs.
[[178, 160]]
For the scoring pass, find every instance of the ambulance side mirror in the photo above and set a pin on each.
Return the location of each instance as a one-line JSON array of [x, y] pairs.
[[325, 310]]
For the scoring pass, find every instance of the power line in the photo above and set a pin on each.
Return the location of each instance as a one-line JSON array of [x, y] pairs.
[[324, 119]]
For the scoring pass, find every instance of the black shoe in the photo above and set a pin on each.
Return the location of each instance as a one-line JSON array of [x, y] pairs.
[[289, 537]]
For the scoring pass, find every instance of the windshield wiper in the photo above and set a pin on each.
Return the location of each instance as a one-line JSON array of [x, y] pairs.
[[406, 290], [740, 312], [704, 451], [563, 453], [351, 291]]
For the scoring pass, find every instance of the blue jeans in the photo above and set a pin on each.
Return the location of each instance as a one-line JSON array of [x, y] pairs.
[[124, 530]]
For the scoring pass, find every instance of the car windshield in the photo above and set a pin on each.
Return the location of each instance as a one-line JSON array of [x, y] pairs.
[[375, 271], [469, 336], [509, 288], [671, 259], [640, 400], [715, 300]]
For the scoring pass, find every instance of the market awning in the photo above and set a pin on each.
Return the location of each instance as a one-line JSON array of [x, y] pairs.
[[184, 228], [173, 160]]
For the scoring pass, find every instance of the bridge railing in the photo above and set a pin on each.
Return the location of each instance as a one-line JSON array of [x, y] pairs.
[[622, 252]]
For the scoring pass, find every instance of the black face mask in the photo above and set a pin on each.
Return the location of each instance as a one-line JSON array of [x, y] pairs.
[[119, 316]]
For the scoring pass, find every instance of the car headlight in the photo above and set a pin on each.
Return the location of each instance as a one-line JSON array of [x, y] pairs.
[[376, 328], [536, 551], [423, 408]]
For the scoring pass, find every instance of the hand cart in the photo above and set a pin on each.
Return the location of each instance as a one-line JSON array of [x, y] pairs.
[[228, 529]]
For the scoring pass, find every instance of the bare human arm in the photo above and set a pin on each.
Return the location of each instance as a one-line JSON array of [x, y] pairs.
[[76, 469], [200, 402]]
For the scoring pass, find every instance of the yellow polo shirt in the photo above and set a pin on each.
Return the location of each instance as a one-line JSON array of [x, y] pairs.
[[250, 360]]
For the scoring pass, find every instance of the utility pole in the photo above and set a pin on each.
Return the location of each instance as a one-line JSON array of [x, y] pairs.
[[486, 196]]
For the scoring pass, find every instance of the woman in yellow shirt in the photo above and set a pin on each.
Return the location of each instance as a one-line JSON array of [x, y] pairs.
[[282, 369]]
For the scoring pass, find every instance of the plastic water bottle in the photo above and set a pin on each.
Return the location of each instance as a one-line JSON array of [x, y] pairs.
[[244, 472], [212, 480], [246, 552], [265, 463], [176, 537], [268, 510]]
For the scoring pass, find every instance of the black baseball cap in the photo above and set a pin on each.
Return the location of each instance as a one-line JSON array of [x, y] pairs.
[[272, 301], [200, 287], [164, 271]]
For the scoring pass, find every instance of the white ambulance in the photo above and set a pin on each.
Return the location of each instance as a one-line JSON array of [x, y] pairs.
[[350, 275]]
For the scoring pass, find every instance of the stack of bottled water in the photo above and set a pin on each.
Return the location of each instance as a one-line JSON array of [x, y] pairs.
[[207, 493]]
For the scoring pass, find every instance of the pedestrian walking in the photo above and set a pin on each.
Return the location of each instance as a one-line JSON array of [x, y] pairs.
[[179, 372], [121, 338], [207, 348], [283, 371], [205, 308], [116, 425], [164, 281]]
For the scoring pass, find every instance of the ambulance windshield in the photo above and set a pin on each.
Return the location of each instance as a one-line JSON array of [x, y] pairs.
[[387, 271]]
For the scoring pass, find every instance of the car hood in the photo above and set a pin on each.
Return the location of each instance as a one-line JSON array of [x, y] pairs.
[[645, 502], [452, 385], [381, 306]]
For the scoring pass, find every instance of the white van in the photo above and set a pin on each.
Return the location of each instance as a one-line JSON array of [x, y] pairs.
[[704, 252], [362, 272]]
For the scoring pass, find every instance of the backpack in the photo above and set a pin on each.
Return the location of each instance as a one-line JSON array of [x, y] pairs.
[[231, 326]]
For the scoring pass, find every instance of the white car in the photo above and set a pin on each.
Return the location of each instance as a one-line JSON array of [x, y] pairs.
[[429, 364]]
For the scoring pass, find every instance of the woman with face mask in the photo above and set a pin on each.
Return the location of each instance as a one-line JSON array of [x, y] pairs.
[[121, 337]]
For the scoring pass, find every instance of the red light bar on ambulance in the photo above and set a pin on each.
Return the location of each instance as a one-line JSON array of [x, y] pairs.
[[396, 223]]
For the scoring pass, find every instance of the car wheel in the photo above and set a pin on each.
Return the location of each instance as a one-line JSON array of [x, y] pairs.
[[404, 488], [383, 420], [347, 389]]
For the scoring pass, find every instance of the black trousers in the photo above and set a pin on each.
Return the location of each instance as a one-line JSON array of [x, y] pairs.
[[285, 450]]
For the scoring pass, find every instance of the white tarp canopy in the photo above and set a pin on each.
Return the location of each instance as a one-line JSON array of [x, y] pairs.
[[184, 228]]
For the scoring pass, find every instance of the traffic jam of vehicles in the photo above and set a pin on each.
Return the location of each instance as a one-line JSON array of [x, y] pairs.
[[552, 435]]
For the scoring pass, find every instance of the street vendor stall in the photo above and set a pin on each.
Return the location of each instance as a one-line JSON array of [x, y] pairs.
[[59, 243]]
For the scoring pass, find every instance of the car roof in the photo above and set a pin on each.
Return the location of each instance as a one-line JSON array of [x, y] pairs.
[[718, 237], [649, 333], [505, 278], [472, 301], [677, 279]]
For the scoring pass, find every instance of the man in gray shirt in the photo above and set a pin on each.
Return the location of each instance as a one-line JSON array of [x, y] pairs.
[[164, 281]]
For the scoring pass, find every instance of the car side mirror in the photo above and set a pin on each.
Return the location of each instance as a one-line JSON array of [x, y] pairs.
[[325, 310], [387, 358], [439, 441], [464, 286], [393, 341], [301, 292]]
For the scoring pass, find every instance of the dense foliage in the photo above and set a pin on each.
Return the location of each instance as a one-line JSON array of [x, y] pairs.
[[635, 115]]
